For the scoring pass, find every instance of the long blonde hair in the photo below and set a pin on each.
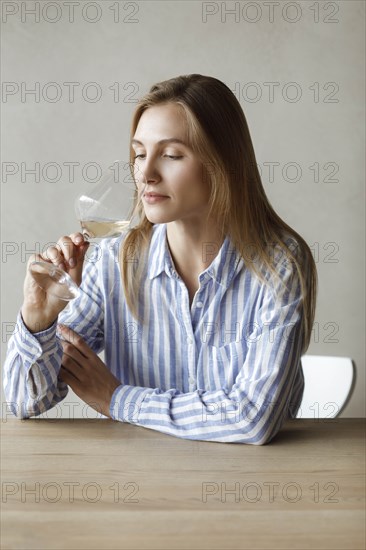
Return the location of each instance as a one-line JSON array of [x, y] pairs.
[[218, 133]]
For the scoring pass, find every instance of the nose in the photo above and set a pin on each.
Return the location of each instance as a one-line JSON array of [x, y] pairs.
[[147, 172]]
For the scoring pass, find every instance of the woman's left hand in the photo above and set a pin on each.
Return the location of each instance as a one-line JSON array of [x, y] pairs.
[[85, 372]]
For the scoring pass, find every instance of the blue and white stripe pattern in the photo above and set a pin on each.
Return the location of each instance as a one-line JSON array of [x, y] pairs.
[[227, 368]]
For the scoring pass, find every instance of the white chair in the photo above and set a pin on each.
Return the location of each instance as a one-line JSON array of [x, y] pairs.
[[329, 383]]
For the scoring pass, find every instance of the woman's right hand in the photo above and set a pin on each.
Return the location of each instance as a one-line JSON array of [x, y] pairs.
[[40, 309]]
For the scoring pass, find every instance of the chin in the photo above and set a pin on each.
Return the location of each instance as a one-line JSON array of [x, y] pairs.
[[159, 217]]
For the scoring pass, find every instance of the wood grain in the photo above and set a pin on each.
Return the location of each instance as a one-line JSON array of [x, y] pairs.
[[94, 484]]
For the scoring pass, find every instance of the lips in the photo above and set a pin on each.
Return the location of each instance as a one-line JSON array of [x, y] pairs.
[[153, 195], [154, 198]]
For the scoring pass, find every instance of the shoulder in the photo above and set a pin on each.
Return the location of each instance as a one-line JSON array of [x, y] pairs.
[[285, 253], [283, 275]]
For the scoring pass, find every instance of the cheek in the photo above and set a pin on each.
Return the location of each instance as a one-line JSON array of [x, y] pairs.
[[190, 176]]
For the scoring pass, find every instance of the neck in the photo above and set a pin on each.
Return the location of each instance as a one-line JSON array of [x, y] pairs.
[[193, 247]]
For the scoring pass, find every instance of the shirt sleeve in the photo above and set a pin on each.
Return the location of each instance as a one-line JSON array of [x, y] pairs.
[[255, 408], [33, 360]]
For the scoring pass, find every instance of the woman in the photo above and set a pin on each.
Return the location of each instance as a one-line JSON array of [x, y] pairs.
[[204, 324]]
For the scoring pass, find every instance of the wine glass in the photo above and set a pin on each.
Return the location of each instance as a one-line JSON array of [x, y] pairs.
[[108, 210]]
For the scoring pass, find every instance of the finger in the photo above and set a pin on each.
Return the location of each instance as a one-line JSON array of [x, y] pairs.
[[74, 354], [73, 338], [67, 377], [77, 238], [77, 255], [68, 248], [37, 258], [72, 368], [79, 248], [54, 255], [80, 252]]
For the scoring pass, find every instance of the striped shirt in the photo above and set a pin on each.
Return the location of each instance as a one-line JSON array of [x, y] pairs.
[[224, 368]]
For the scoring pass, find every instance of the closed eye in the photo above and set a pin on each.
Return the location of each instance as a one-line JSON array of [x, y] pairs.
[[169, 156]]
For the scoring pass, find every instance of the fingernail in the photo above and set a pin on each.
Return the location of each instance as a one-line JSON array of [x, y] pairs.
[[72, 262], [78, 239]]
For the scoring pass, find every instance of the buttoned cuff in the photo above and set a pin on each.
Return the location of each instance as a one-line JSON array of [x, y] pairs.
[[126, 403], [32, 345]]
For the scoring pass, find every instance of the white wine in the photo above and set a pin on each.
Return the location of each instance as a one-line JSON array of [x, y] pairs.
[[94, 229]]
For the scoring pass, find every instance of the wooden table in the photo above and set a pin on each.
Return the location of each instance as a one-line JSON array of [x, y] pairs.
[[100, 484]]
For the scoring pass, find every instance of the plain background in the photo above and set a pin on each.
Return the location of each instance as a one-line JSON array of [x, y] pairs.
[[299, 75]]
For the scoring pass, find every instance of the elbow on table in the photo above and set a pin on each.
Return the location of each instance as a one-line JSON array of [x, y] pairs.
[[259, 436], [267, 435], [264, 440], [20, 409], [11, 409], [246, 439]]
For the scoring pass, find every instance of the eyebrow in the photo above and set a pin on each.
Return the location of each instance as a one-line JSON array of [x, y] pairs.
[[162, 141]]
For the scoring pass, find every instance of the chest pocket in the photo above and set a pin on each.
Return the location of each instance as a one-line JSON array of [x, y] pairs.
[[222, 365]]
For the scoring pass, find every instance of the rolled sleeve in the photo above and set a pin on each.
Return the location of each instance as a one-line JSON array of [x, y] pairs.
[[126, 403], [32, 346]]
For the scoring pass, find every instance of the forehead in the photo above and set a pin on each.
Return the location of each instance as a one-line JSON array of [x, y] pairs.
[[161, 122]]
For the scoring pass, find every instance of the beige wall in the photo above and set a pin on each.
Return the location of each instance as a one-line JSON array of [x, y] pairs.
[[312, 127]]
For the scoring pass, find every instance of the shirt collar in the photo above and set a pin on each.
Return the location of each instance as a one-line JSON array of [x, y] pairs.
[[222, 269]]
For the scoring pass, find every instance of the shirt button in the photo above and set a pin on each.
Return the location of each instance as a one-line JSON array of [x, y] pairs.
[[191, 380], [199, 304]]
